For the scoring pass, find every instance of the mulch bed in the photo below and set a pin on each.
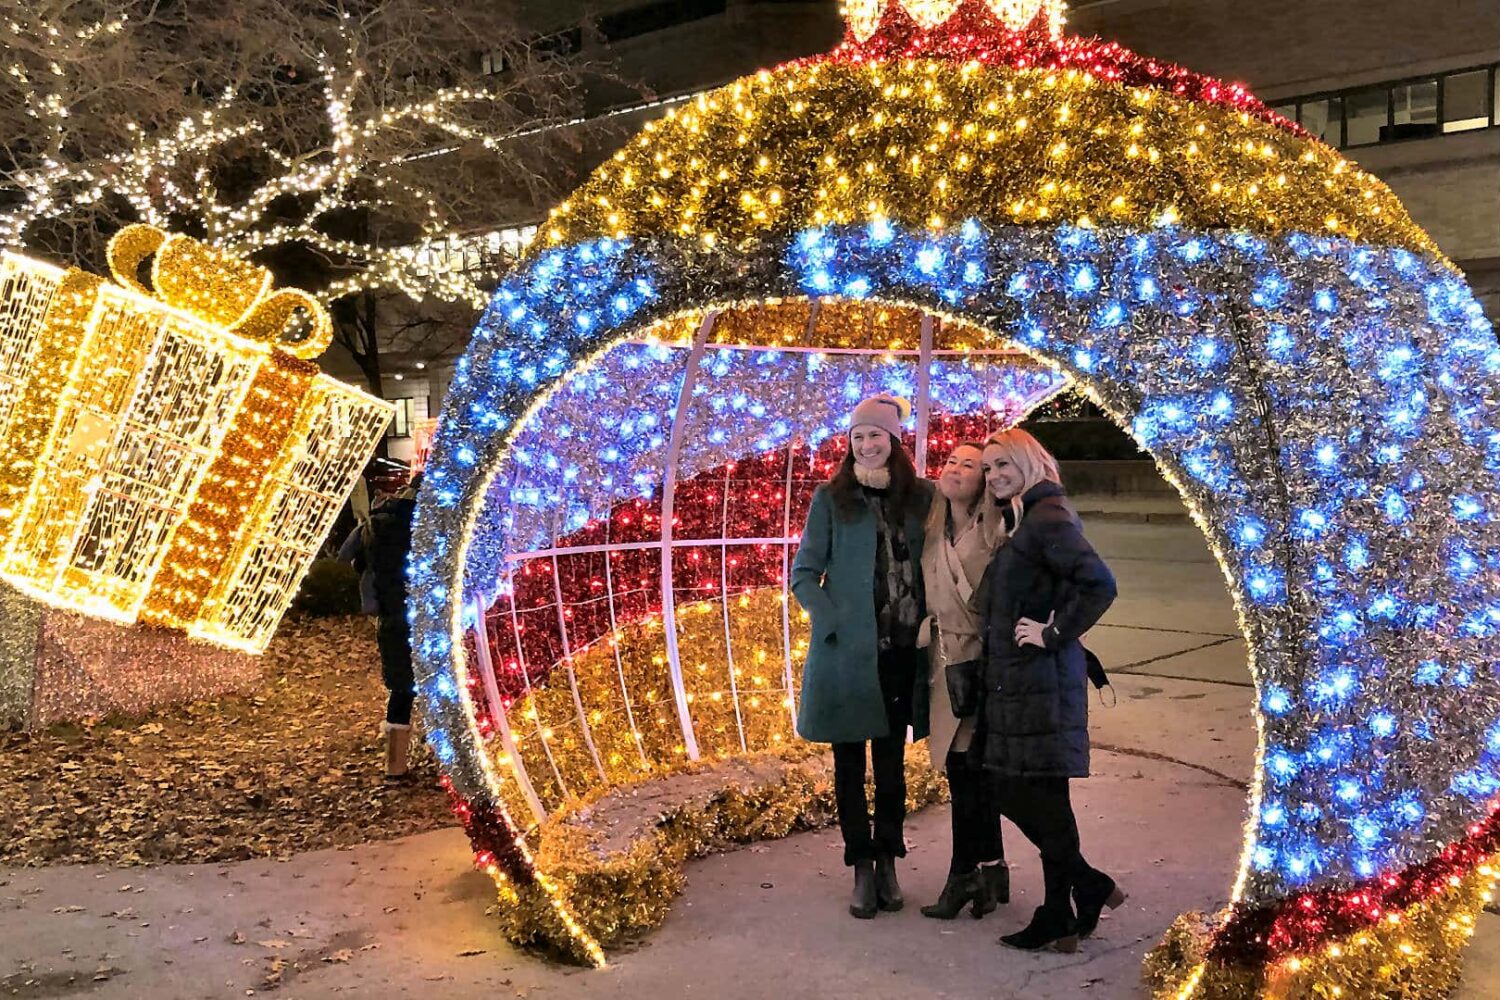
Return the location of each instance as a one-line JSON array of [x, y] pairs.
[[295, 767]]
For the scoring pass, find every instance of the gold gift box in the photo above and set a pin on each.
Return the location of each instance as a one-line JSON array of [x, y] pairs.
[[171, 458]]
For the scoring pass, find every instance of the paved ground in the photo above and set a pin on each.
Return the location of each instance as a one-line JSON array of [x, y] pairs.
[[407, 918]]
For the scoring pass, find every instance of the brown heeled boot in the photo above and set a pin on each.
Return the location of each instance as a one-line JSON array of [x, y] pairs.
[[397, 752]]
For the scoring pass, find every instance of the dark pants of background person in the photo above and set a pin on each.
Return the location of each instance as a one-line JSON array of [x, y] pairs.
[[976, 815], [393, 637], [1042, 810], [898, 677]]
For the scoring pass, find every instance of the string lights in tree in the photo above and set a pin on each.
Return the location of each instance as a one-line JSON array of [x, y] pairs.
[[173, 455], [279, 151], [1308, 370]]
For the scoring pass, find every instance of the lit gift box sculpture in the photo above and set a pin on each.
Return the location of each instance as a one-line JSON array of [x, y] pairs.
[[173, 461]]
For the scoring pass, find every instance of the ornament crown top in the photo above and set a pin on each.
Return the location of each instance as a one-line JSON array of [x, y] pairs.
[[865, 17]]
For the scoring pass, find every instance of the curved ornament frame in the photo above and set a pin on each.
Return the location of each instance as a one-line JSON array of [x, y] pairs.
[[1354, 531], [1326, 406]]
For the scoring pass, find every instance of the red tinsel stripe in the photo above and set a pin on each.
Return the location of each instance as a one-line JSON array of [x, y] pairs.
[[1308, 921], [492, 838], [974, 35]]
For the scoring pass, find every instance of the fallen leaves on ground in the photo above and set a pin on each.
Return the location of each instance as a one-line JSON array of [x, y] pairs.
[[295, 766]]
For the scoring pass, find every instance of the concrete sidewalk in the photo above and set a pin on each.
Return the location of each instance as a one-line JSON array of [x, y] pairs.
[[1164, 813], [1137, 509]]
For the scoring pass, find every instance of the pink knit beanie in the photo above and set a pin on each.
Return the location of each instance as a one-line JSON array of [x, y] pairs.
[[884, 411]]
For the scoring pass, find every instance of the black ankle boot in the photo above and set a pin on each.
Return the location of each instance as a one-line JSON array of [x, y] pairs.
[[864, 902], [887, 889], [1048, 929], [1092, 901], [996, 885], [958, 892]]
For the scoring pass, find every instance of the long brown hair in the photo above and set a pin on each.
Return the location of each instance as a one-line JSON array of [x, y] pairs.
[[845, 491]]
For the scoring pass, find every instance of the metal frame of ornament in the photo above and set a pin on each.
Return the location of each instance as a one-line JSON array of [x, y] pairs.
[[704, 399]]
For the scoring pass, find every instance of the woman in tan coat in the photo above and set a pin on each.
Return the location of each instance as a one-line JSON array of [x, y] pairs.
[[963, 530]]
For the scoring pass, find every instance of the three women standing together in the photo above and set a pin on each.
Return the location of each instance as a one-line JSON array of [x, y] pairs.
[[992, 568]]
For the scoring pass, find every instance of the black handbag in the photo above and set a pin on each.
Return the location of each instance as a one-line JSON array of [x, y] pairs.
[[963, 687]]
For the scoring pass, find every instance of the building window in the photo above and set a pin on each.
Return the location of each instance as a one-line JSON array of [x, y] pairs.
[[487, 253], [1367, 116], [1404, 109], [1324, 118], [1414, 111], [1466, 98], [401, 426], [410, 412]]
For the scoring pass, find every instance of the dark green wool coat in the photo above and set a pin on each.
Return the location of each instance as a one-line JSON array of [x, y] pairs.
[[833, 578]]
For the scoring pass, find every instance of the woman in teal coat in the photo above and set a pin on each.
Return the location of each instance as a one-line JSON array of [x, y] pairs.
[[858, 573]]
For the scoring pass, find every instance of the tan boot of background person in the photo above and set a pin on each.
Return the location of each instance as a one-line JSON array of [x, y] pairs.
[[397, 750]]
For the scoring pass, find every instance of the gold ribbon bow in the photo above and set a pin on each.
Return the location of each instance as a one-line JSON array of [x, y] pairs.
[[218, 288]]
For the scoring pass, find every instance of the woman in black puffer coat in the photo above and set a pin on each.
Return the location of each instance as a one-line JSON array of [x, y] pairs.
[[1046, 587]]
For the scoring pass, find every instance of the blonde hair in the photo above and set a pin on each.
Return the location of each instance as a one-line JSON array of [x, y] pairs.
[[1026, 453]]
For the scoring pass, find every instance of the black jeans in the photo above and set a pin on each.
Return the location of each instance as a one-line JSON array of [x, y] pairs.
[[976, 815], [898, 677], [1042, 810], [393, 637]]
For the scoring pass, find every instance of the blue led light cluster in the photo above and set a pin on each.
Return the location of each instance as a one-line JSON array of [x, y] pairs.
[[1327, 407], [602, 437]]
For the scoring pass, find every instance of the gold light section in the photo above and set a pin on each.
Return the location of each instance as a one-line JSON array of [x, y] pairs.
[[336, 431], [203, 543], [146, 408], [936, 143], [164, 446], [42, 325], [631, 664], [1412, 954], [838, 325]]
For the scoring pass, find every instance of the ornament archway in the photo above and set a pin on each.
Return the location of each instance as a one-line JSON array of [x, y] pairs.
[[1314, 378]]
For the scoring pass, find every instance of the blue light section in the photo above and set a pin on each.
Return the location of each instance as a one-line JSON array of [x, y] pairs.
[[568, 466]]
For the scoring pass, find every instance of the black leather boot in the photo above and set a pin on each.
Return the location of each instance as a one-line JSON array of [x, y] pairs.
[[958, 892], [864, 903], [887, 889], [996, 884], [1048, 929], [1092, 901]]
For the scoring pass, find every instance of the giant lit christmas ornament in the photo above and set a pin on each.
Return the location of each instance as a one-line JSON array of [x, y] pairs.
[[171, 456], [601, 549]]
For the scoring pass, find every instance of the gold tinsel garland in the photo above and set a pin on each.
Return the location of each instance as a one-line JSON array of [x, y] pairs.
[[1414, 955], [622, 890]]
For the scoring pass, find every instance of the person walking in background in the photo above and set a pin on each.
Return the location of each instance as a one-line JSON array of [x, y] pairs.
[[963, 529], [354, 550], [382, 546], [1046, 587], [858, 574]]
